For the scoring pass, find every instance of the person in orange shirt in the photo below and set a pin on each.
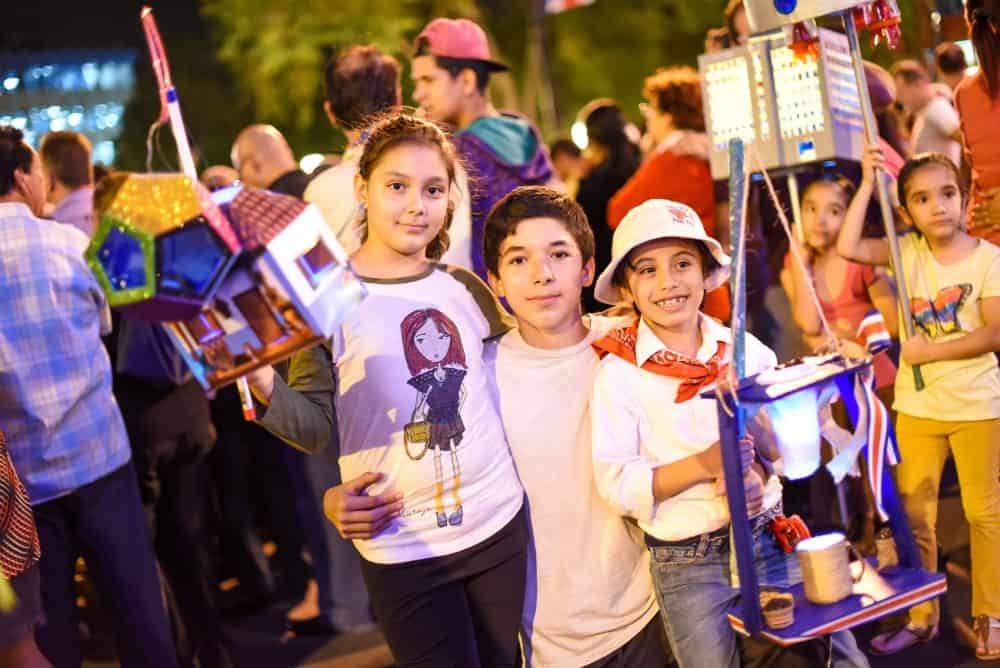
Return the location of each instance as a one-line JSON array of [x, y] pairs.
[[677, 167], [978, 101]]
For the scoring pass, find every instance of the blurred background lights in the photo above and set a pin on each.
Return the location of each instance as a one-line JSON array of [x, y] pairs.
[[578, 133], [310, 162]]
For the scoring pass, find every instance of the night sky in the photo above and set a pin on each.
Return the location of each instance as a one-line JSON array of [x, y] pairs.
[[33, 24]]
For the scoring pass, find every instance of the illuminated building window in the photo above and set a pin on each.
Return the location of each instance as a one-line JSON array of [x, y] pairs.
[[82, 91]]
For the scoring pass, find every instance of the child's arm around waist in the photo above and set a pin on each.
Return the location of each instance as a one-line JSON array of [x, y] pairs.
[[299, 411]]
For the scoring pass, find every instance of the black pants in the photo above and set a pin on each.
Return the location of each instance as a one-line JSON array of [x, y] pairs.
[[252, 476], [171, 435], [647, 649], [460, 610], [103, 522]]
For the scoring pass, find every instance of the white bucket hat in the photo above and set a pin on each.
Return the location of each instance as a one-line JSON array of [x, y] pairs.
[[658, 219]]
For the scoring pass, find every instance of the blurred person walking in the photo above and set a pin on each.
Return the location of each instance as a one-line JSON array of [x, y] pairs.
[[978, 102], [360, 83], [66, 160], [451, 72], [936, 126], [64, 429], [612, 159]]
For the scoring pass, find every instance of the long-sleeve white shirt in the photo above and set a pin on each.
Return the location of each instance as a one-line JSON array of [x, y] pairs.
[[637, 426]]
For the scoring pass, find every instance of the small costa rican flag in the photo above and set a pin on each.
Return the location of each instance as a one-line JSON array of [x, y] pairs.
[[872, 333], [882, 449], [556, 6]]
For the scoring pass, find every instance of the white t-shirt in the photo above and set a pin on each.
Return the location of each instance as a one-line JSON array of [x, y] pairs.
[[588, 589], [933, 127], [637, 427], [945, 301], [412, 354], [333, 192]]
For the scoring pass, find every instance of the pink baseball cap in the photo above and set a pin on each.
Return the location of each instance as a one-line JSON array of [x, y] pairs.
[[459, 38]]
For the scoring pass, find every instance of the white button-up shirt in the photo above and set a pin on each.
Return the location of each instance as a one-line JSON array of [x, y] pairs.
[[637, 426]]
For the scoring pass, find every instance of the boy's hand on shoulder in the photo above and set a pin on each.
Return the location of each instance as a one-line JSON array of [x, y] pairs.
[[357, 515], [917, 350]]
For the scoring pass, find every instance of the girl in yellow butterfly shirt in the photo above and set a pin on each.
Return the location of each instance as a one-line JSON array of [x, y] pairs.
[[953, 280]]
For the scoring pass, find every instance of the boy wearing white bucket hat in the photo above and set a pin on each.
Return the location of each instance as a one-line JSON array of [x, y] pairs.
[[656, 443]]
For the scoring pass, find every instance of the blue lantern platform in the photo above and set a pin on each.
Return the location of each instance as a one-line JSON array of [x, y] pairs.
[[877, 594]]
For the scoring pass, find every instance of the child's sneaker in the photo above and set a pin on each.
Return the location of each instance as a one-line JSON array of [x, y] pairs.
[[900, 639], [987, 638]]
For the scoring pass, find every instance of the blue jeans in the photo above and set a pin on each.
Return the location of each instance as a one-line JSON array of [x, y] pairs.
[[692, 583]]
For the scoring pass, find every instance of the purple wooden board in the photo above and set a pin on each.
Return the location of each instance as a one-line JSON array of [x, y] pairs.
[[876, 595]]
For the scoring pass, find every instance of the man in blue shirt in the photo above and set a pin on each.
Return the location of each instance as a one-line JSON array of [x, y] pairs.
[[64, 430], [68, 171]]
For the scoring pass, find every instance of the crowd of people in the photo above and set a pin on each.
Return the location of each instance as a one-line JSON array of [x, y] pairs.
[[502, 457]]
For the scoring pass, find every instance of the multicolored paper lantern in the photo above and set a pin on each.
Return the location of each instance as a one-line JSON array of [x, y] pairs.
[[161, 247], [288, 290]]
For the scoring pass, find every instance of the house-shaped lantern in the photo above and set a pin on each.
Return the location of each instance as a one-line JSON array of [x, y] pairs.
[[287, 291]]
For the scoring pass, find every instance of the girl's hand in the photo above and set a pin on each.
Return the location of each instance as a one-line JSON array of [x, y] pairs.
[[753, 488], [803, 253], [917, 350], [357, 515], [261, 382], [871, 160], [853, 349]]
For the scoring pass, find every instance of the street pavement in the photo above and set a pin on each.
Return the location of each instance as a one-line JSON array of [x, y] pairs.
[[260, 640]]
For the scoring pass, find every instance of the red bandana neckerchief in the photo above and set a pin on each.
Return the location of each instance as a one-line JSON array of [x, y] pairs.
[[621, 343]]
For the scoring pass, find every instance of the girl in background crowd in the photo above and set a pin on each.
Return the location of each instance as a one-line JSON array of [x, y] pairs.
[[612, 159], [847, 293], [978, 101]]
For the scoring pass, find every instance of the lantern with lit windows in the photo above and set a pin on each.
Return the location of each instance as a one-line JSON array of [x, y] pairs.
[[288, 289]]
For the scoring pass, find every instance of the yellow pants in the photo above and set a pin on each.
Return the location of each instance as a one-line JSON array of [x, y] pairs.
[[924, 446]]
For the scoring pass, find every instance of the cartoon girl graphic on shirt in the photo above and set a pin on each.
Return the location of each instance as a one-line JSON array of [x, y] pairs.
[[436, 361]]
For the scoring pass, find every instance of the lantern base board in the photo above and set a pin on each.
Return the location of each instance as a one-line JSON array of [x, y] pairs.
[[212, 378], [877, 594], [162, 308], [271, 354]]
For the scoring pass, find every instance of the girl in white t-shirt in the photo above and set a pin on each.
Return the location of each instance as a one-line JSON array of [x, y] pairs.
[[953, 282], [446, 572]]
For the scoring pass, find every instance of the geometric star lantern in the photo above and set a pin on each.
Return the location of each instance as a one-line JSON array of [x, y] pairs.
[[161, 247]]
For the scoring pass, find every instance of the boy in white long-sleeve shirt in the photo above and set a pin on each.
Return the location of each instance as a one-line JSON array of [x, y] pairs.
[[656, 442]]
